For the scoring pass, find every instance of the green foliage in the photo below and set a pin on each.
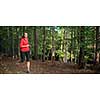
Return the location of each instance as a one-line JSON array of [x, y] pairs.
[[60, 53], [68, 41]]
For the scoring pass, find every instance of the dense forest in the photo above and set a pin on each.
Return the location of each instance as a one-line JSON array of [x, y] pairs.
[[67, 44]]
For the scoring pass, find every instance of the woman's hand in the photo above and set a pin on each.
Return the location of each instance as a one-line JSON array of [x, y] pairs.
[[28, 45], [24, 46]]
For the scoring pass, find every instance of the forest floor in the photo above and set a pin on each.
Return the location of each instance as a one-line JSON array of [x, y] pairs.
[[9, 66]]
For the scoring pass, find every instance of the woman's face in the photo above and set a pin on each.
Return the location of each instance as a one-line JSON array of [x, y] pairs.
[[25, 35]]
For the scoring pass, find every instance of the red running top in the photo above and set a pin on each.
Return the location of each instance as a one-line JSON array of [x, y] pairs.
[[24, 45]]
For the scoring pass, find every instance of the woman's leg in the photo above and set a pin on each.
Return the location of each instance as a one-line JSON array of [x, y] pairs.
[[28, 66], [22, 55], [28, 61]]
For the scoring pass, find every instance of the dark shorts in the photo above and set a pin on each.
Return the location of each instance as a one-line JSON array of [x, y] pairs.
[[25, 56]]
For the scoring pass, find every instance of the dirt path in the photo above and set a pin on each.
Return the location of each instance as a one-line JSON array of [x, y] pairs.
[[38, 67]]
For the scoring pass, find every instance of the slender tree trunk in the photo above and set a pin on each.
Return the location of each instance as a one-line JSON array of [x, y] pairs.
[[74, 41], [65, 46], [35, 44], [8, 40], [94, 48], [75, 45], [81, 53], [10, 31], [18, 42], [71, 46], [78, 43], [62, 47], [97, 54], [44, 43], [53, 46], [23, 29], [13, 51]]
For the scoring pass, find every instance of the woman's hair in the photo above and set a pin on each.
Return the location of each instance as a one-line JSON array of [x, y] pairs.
[[23, 35]]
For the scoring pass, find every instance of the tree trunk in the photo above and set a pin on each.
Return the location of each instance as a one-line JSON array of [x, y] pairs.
[[65, 46], [23, 29], [8, 40], [44, 43], [35, 44], [71, 48], [81, 53], [13, 51], [18, 42], [53, 47], [97, 53], [11, 41]]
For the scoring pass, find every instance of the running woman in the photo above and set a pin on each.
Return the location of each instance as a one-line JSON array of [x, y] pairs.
[[25, 50]]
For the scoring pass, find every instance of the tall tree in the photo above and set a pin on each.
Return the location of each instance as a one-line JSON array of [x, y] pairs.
[[97, 53], [44, 43], [18, 41], [11, 41], [65, 45], [81, 53], [53, 45], [35, 44]]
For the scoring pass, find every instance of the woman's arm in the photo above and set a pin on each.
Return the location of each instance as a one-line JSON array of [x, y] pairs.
[[23, 46]]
